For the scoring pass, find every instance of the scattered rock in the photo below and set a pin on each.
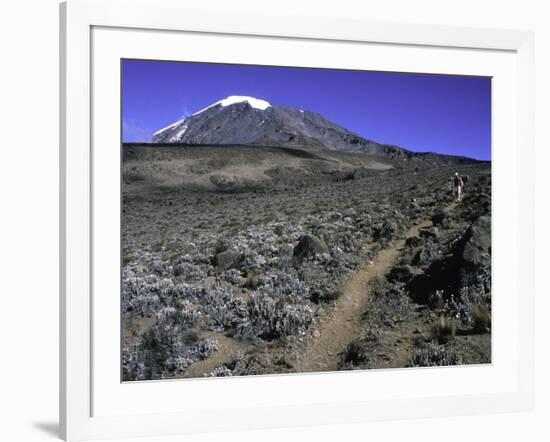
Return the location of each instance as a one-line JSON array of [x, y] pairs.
[[478, 247], [389, 229], [431, 232], [402, 273], [438, 218], [413, 242], [227, 260], [476, 254], [420, 256], [308, 246]]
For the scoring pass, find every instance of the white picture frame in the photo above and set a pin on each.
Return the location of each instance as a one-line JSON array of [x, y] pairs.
[[79, 379]]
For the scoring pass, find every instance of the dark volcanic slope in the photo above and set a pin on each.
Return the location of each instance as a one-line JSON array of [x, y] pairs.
[[247, 121]]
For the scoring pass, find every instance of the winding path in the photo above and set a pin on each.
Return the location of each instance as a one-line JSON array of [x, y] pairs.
[[337, 328]]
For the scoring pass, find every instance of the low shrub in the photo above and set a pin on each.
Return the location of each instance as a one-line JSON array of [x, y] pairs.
[[157, 245], [443, 330], [168, 347], [355, 355], [219, 372], [434, 355], [221, 245], [127, 259], [481, 318], [270, 318]]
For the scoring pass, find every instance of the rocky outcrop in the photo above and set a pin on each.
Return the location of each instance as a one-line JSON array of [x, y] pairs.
[[476, 253], [309, 246], [227, 260]]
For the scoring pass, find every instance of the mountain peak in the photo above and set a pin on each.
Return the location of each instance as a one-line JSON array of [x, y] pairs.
[[256, 103], [221, 123]]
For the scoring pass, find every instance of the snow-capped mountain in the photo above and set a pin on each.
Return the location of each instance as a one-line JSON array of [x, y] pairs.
[[251, 121]]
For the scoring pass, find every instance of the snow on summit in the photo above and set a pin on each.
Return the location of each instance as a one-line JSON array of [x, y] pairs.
[[256, 103]]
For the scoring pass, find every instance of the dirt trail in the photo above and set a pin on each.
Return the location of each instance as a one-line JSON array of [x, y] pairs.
[[339, 327]]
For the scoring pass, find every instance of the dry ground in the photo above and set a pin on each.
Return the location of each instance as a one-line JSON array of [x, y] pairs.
[[212, 284]]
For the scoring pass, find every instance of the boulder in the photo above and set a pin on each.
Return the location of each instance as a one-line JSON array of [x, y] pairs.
[[477, 250], [430, 232], [308, 246], [438, 218], [227, 260], [223, 182], [413, 242], [334, 216], [388, 230], [349, 212], [475, 253], [421, 256], [402, 273]]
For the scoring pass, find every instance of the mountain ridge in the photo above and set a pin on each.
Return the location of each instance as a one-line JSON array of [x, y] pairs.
[[242, 120]]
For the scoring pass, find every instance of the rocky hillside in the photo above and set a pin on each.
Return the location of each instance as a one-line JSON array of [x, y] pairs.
[[225, 278]]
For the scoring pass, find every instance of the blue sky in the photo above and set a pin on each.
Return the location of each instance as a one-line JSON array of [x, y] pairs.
[[437, 113]]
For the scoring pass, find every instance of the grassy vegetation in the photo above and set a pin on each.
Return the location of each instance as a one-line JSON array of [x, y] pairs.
[[218, 260]]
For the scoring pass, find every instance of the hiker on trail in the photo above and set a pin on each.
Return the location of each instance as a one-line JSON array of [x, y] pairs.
[[458, 186]]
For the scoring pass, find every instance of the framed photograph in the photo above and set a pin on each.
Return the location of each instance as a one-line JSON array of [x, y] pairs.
[[288, 221]]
